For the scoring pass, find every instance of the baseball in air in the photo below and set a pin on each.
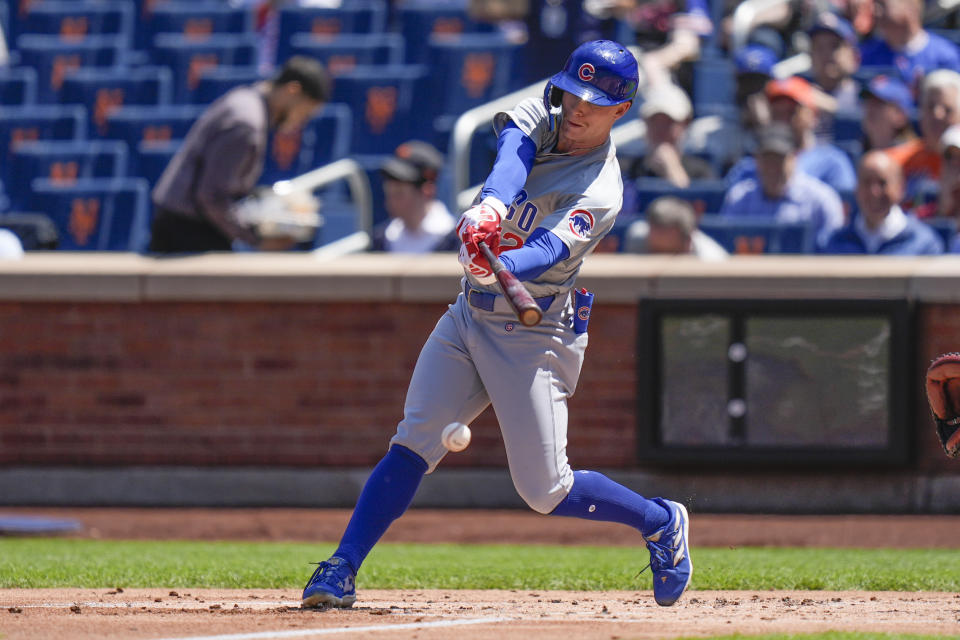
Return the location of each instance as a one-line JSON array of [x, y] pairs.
[[456, 436]]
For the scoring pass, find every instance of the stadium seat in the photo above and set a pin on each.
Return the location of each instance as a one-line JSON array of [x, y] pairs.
[[63, 162], [420, 21], [99, 214], [946, 228], [18, 86], [74, 21], [136, 124], [194, 20], [103, 91], [217, 81], [53, 58], [35, 230], [344, 52], [471, 69], [188, 58], [150, 158], [359, 16], [713, 82], [705, 195], [387, 105], [326, 138], [751, 235], [846, 127], [20, 125]]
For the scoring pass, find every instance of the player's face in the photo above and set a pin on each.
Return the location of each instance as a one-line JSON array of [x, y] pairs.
[[586, 125], [879, 187]]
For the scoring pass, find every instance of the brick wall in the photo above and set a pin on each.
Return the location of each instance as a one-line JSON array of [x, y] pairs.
[[289, 384]]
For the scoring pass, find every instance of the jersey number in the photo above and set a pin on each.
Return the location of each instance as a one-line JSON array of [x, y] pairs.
[[528, 212]]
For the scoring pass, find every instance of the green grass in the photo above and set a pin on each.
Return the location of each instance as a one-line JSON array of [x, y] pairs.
[[52, 562], [828, 635]]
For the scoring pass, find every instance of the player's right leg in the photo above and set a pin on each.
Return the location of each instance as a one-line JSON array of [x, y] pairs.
[[444, 388]]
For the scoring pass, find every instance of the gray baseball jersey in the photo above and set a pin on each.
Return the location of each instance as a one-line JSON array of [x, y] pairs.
[[478, 354]]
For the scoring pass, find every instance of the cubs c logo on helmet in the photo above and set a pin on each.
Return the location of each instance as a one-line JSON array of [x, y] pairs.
[[586, 71], [581, 223]]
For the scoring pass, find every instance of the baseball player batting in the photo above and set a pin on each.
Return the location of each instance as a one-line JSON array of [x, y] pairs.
[[552, 194]]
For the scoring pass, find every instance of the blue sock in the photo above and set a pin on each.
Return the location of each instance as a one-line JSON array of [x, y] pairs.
[[386, 495], [594, 496]]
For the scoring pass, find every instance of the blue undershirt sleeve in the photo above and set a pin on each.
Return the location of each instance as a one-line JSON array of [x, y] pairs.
[[542, 250], [515, 152]]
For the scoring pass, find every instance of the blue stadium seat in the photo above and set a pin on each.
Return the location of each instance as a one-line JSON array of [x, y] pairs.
[[946, 228], [750, 235], [387, 104], [54, 58], [151, 158], [326, 138], [63, 161], [18, 86], [217, 81], [359, 16], [188, 58], [136, 124], [419, 21], [344, 52], [99, 214], [471, 69], [705, 195], [103, 91], [846, 127], [20, 125], [73, 21], [713, 82], [195, 20]]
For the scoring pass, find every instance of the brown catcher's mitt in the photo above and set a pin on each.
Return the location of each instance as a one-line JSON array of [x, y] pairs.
[[943, 394]]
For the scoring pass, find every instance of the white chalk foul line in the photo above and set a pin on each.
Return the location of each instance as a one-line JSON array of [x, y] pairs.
[[309, 633]]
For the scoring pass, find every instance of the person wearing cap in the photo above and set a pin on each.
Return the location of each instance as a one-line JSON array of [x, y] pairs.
[[419, 223], [727, 141], [793, 102], [834, 57], [904, 44], [939, 109], [779, 190], [887, 111], [671, 228], [666, 111], [197, 200], [881, 227]]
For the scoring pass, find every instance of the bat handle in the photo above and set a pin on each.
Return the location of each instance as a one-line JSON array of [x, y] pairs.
[[494, 261]]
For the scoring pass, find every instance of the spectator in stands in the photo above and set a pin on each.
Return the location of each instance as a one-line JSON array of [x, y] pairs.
[[418, 221], [727, 142], [904, 44], [671, 228], [222, 156], [939, 109], [666, 111], [947, 203], [881, 227], [887, 112], [793, 103], [834, 57], [780, 190]]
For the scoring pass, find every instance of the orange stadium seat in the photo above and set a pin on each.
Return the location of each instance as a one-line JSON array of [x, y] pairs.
[[103, 91], [63, 162]]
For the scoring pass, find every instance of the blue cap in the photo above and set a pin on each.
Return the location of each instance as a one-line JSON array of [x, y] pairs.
[[755, 58], [890, 89], [601, 72], [837, 25]]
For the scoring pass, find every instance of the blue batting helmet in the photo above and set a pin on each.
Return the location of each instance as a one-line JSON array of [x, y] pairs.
[[601, 72]]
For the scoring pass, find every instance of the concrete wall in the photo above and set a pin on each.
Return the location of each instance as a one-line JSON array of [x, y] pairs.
[[226, 379]]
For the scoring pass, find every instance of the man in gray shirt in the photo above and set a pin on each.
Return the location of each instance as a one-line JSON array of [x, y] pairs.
[[222, 157]]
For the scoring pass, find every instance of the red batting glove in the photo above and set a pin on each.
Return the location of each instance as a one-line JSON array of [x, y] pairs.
[[481, 222]]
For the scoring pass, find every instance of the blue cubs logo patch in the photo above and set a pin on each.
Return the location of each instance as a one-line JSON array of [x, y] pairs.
[[581, 223], [586, 71], [508, 326], [583, 313]]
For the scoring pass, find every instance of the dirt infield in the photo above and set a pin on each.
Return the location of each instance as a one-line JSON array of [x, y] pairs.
[[160, 614]]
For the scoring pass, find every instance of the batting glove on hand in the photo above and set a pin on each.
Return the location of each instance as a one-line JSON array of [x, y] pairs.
[[475, 264], [482, 223]]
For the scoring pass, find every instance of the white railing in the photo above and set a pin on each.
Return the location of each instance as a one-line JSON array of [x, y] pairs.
[[359, 185]]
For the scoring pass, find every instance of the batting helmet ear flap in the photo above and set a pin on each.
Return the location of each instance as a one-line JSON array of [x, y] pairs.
[[552, 99]]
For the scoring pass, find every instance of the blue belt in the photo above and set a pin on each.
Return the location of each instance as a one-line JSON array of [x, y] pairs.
[[485, 301]]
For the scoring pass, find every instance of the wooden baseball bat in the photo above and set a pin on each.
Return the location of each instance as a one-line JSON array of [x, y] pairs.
[[528, 311]]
